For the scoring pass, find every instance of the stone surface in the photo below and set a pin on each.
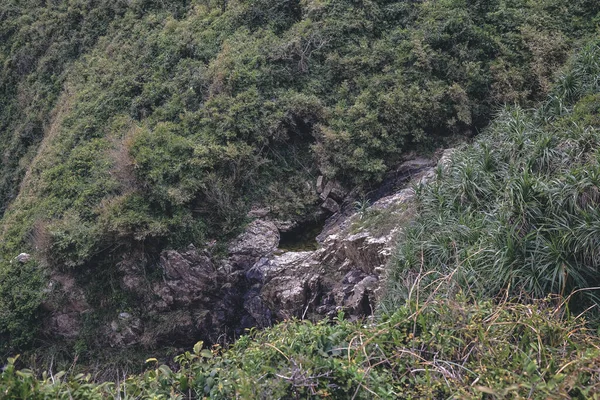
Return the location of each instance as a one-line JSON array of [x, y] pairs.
[[319, 184], [23, 258], [66, 302], [124, 331], [326, 190], [331, 206], [259, 212], [259, 238]]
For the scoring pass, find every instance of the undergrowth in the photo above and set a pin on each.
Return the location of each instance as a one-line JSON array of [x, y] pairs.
[[437, 348], [519, 208]]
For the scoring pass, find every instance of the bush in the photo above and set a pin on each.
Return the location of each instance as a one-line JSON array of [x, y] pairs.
[[436, 349], [518, 209]]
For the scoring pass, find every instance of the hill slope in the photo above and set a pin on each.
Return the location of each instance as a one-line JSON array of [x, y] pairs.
[[130, 127]]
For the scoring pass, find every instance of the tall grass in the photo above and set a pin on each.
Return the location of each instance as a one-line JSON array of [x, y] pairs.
[[519, 209]]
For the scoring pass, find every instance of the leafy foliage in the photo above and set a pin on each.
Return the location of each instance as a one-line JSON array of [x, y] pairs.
[[518, 209], [438, 349]]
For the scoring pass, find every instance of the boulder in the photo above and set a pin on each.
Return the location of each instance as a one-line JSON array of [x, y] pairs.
[[319, 184], [258, 239], [23, 258], [331, 206]]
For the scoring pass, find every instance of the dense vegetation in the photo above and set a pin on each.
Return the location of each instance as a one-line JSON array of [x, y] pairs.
[[438, 349], [128, 127], [519, 208]]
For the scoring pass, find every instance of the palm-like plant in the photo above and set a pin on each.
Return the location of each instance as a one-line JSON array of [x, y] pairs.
[[520, 208]]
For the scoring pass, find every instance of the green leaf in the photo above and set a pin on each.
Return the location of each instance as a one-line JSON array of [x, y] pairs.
[[206, 353], [198, 347]]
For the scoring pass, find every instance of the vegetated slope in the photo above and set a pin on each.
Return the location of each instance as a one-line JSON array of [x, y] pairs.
[[135, 126], [518, 209], [440, 349], [441, 342]]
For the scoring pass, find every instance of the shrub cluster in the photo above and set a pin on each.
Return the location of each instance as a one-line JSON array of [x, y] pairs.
[[519, 208], [437, 349]]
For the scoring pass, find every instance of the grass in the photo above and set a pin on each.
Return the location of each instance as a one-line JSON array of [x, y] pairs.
[[518, 209], [435, 347], [381, 221]]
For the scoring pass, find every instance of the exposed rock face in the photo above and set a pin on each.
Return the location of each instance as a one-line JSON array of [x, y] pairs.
[[67, 303], [331, 205], [201, 297], [343, 274], [211, 297]]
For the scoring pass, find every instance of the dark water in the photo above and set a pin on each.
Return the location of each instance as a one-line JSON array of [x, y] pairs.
[[303, 237]]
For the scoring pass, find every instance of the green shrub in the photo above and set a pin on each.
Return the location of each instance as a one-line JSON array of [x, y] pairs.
[[436, 349], [518, 209]]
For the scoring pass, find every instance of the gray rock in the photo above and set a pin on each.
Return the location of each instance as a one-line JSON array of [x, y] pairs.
[[23, 258], [124, 331], [261, 212], [446, 159], [259, 239], [331, 206], [326, 190], [415, 164], [320, 186], [65, 302], [66, 325], [402, 197], [285, 226], [338, 192]]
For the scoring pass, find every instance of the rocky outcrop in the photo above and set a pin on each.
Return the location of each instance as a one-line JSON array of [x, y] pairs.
[[199, 296], [344, 273], [66, 303]]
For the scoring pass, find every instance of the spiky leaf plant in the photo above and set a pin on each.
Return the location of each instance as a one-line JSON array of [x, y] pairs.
[[520, 207]]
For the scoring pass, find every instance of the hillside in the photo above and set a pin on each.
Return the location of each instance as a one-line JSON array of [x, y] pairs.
[[132, 128]]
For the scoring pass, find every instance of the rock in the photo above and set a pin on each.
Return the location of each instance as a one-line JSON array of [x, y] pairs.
[[259, 239], [331, 206], [338, 192], [401, 197], [285, 226], [446, 159], [326, 190], [333, 189], [66, 302], [398, 179], [124, 316], [360, 303], [66, 325], [261, 212], [23, 258], [258, 310], [414, 165], [320, 184], [124, 331]]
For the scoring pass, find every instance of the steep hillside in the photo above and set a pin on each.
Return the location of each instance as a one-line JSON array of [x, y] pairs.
[[131, 127], [518, 209], [511, 216]]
